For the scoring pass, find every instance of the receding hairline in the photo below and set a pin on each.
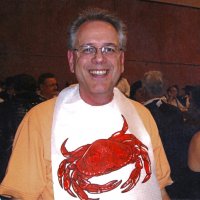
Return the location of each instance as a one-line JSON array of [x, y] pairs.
[[97, 21], [98, 14]]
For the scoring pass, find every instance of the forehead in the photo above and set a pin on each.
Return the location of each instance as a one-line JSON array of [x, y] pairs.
[[173, 89], [97, 32], [50, 80]]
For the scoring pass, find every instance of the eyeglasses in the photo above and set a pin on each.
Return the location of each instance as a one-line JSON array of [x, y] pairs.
[[89, 50]]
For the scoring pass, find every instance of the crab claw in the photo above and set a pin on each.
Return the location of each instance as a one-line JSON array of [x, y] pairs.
[[147, 166], [63, 149], [147, 177], [134, 177], [125, 125], [61, 172]]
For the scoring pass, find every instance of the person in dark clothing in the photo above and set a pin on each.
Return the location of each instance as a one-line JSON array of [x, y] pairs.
[[170, 124], [136, 91], [48, 86], [7, 92], [12, 112], [185, 95], [192, 129]]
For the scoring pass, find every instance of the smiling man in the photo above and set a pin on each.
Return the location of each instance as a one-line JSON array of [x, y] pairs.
[[97, 61], [91, 142]]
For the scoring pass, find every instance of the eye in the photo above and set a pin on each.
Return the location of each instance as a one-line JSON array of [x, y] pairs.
[[109, 49], [88, 50]]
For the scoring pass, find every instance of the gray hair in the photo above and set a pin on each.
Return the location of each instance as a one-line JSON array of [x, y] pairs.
[[153, 83], [97, 14]]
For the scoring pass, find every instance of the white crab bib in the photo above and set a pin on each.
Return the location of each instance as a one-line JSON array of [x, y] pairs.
[[100, 162]]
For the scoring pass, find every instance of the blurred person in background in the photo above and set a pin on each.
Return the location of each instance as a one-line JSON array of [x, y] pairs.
[[124, 86], [172, 98], [12, 112], [170, 124], [137, 92], [47, 86], [7, 92], [1, 90], [185, 95], [194, 147], [194, 153]]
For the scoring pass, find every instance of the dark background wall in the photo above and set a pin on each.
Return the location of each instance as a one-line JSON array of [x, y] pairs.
[[161, 37]]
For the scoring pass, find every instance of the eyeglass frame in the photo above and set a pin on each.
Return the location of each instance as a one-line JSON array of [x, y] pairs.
[[103, 51]]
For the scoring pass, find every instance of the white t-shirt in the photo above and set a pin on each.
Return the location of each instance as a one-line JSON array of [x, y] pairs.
[[104, 157]]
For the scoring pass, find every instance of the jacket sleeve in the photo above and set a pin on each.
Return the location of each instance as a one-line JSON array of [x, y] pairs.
[[162, 166]]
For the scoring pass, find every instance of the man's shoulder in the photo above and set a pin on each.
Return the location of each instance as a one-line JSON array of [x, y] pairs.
[[144, 114], [46, 104], [43, 109], [139, 107]]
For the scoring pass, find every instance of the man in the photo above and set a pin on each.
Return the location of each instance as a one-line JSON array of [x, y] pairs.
[[170, 122], [164, 114], [48, 86], [93, 149]]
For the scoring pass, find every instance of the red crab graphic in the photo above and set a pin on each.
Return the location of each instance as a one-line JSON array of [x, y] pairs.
[[101, 157]]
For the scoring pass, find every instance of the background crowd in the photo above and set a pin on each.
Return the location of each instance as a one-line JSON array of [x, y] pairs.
[[18, 95], [177, 115]]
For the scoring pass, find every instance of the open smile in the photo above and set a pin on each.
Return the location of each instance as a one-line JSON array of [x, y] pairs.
[[98, 72]]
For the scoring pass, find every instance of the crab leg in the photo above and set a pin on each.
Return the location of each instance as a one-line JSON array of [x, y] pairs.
[[118, 134], [125, 125], [134, 177], [63, 177], [79, 191], [74, 155], [67, 183], [147, 165], [96, 189], [61, 171]]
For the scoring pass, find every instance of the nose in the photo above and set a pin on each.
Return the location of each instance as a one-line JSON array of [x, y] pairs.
[[98, 56]]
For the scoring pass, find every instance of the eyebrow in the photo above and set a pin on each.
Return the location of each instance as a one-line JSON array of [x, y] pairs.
[[104, 44]]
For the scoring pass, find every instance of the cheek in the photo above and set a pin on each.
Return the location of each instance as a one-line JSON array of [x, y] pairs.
[[118, 66], [73, 66], [81, 65], [79, 70], [72, 60]]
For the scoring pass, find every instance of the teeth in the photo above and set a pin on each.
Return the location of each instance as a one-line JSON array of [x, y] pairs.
[[98, 72]]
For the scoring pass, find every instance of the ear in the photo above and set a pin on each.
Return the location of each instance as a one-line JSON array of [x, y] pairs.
[[70, 56], [122, 62], [41, 87]]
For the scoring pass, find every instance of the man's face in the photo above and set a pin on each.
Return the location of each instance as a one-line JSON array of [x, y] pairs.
[[98, 73], [49, 89]]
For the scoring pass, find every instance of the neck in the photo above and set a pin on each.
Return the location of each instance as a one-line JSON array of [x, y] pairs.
[[43, 95], [97, 99]]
